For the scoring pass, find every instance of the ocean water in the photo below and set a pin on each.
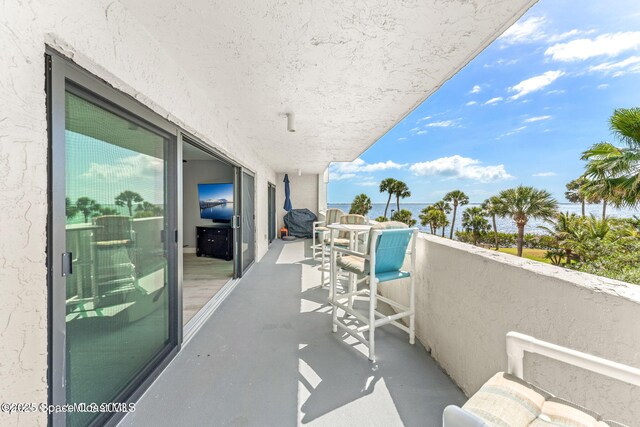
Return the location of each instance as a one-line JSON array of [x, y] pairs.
[[504, 225], [220, 212]]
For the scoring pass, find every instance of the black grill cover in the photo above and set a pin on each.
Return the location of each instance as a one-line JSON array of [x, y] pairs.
[[299, 222]]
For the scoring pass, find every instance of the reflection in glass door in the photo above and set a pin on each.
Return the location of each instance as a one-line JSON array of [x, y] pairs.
[[248, 220], [117, 315]]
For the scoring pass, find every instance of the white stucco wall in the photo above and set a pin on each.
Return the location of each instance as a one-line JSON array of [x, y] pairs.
[[468, 298], [102, 37], [323, 183], [304, 194]]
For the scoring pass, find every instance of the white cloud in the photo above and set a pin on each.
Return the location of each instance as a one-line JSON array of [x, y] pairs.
[[460, 167], [340, 171], [401, 139], [568, 34], [501, 62], [513, 132], [475, 89], [442, 124], [524, 31], [414, 130], [130, 168], [534, 84], [423, 119], [537, 119], [603, 86], [545, 174], [556, 92], [631, 64], [610, 44], [421, 132], [368, 183], [471, 103], [494, 100]]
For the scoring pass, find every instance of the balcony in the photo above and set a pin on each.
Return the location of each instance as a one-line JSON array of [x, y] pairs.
[[267, 355]]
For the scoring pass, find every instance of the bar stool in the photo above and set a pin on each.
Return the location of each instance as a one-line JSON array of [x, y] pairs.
[[389, 243]]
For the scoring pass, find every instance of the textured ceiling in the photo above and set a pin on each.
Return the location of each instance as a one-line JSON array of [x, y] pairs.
[[349, 70]]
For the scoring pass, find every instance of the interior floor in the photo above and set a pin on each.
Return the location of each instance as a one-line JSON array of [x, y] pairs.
[[203, 277]]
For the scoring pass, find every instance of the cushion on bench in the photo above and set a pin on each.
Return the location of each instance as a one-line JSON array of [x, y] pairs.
[[507, 401]]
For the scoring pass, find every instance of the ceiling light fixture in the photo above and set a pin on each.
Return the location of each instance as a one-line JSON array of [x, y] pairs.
[[291, 125]]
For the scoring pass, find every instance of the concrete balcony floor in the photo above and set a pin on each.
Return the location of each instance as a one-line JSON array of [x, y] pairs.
[[267, 357]]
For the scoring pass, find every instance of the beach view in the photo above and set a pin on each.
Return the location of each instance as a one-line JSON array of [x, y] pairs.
[[533, 149]]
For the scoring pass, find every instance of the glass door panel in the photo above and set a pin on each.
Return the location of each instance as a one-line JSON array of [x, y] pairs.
[[248, 220], [117, 299]]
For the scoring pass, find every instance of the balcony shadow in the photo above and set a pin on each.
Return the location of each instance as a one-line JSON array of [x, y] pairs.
[[403, 387]]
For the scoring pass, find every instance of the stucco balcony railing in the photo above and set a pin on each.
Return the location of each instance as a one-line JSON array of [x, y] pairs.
[[468, 298]]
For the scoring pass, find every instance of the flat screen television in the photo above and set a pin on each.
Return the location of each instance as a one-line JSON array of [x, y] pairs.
[[216, 202]]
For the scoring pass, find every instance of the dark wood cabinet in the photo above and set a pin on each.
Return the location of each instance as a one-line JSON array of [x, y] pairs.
[[215, 241]]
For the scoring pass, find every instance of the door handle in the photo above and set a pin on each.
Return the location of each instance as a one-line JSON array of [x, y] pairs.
[[67, 264]]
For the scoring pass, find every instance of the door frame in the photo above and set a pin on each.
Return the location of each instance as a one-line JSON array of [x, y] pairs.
[[61, 74], [271, 214], [187, 138], [239, 236]]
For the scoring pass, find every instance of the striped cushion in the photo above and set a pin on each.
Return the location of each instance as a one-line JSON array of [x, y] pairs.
[[354, 264], [557, 412], [350, 219], [333, 215], [507, 401]]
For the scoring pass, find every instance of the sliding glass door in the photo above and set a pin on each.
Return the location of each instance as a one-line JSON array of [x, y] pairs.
[[113, 262]]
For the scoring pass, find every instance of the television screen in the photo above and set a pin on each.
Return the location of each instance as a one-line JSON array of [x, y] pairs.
[[216, 201]]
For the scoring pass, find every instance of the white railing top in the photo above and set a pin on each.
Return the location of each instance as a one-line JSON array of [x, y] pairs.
[[518, 343]]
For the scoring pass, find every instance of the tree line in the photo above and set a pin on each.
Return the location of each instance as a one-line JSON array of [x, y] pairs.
[[89, 208]]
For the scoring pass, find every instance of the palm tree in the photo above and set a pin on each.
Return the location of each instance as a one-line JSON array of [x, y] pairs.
[[70, 210], [493, 207], [87, 207], [404, 215], [522, 203], [128, 198], [474, 222], [457, 197], [575, 192], [565, 229], [599, 190], [400, 190], [619, 166], [387, 186], [446, 209], [433, 217], [426, 218], [361, 205]]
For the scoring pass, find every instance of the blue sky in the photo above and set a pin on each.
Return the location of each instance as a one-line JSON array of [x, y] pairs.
[[521, 112]]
